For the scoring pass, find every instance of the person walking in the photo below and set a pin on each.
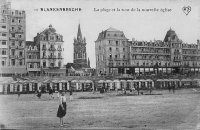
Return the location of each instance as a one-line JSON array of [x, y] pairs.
[[51, 92], [62, 107], [70, 95]]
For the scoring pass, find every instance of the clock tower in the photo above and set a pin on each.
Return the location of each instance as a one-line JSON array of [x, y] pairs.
[[80, 54]]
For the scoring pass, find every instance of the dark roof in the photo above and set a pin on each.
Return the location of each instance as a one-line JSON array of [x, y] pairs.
[[119, 34], [30, 43], [170, 33], [75, 66]]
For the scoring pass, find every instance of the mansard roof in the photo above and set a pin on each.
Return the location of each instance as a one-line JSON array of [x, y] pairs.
[[112, 30], [170, 34], [49, 30], [111, 33]]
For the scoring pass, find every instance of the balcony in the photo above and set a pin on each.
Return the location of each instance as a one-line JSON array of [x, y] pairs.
[[44, 48], [60, 57], [44, 57], [59, 49], [52, 57], [32, 60], [52, 49], [177, 60], [33, 69]]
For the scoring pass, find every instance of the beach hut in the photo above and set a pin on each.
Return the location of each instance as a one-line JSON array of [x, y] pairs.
[[123, 84], [130, 85], [109, 85], [143, 83], [89, 85], [188, 83], [116, 84], [75, 85], [64, 84]]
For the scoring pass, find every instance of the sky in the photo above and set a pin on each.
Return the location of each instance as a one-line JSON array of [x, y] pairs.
[[141, 25]]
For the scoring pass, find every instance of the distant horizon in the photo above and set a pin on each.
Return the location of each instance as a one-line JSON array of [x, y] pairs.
[[142, 26]]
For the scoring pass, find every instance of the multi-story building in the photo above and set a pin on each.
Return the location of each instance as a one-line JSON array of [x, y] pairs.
[[168, 55], [112, 49], [48, 48], [33, 58], [12, 40]]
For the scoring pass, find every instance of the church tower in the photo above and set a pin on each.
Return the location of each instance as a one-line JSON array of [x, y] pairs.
[[80, 54]]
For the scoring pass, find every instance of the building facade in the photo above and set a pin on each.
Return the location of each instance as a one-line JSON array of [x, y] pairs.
[[111, 49], [168, 55], [12, 40], [45, 53], [33, 58]]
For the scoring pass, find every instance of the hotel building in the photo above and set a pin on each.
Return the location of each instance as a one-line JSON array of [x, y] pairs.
[[45, 53], [12, 40], [169, 55]]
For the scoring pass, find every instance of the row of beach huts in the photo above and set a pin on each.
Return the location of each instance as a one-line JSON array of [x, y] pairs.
[[9, 86]]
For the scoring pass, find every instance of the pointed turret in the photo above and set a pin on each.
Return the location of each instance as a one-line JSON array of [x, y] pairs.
[[88, 63], [79, 34]]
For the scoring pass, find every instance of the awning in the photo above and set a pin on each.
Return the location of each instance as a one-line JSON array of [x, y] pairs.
[[55, 71], [4, 80], [12, 70]]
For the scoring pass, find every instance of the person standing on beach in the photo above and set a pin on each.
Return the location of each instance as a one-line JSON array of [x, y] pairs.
[[70, 95], [62, 107]]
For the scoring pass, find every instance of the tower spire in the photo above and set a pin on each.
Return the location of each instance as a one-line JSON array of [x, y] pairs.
[[88, 62], [79, 34]]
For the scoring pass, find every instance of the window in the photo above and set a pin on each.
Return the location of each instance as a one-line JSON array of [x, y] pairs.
[[20, 43], [4, 34], [110, 49], [59, 55], [59, 64], [115, 56], [3, 52], [13, 62], [20, 53], [3, 63], [117, 49], [117, 43], [4, 26], [19, 36], [13, 20], [3, 42], [124, 56], [52, 64], [123, 49], [13, 43], [44, 64], [13, 52], [20, 62], [3, 20], [12, 35], [19, 21], [29, 56], [51, 37], [110, 56], [31, 66]]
